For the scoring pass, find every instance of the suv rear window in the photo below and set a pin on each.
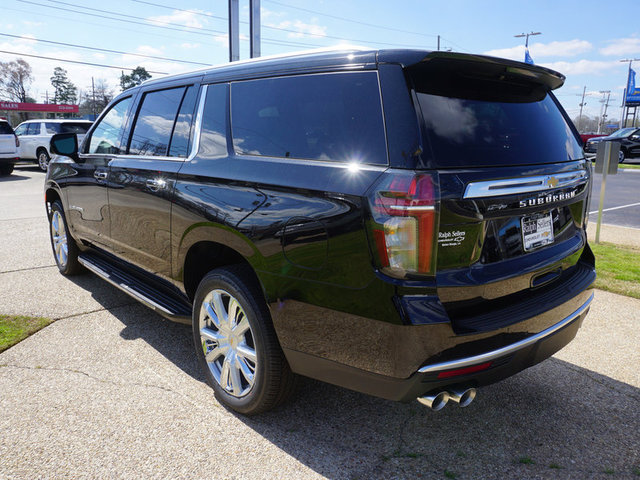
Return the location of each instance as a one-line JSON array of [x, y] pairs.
[[5, 129], [67, 127], [476, 121], [336, 117]]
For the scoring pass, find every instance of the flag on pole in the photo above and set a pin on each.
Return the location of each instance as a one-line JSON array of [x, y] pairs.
[[527, 57]]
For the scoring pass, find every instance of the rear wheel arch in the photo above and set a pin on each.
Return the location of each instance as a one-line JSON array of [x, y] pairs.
[[205, 256], [50, 196]]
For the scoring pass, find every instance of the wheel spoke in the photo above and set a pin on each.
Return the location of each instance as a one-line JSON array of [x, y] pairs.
[[214, 354], [236, 383], [212, 314], [234, 310], [247, 371], [210, 334], [224, 374], [242, 326], [247, 352], [219, 309], [54, 223]]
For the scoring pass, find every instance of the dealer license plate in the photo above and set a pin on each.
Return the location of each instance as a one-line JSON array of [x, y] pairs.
[[537, 231]]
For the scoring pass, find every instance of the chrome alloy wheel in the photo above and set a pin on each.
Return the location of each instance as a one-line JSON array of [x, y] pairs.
[[59, 238], [43, 161], [228, 343]]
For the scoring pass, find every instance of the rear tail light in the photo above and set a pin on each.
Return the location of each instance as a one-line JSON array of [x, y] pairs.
[[17, 141], [404, 223]]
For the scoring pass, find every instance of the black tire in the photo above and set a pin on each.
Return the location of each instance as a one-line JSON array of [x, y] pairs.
[[272, 381], [43, 159], [622, 156], [65, 250], [6, 169]]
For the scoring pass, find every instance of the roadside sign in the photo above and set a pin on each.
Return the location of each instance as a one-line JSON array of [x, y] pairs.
[[606, 164]]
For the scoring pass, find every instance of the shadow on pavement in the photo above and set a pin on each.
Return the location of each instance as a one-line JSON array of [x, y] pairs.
[[172, 340], [13, 177], [555, 419]]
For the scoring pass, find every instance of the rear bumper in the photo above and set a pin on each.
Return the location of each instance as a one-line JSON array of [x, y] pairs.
[[503, 362]]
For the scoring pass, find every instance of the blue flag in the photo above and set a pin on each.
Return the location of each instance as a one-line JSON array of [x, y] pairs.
[[527, 57]]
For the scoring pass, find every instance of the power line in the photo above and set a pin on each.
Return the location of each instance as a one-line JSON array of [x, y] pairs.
[[270, 27], [350, 20], [101, 49], [194, 30], [75, 61]]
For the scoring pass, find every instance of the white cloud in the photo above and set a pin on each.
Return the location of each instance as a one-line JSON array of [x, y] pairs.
[[301, 29], [149, 50], [583, 67], [191, 45], [622, 46], [29, 23], [568, 48], [188, 19]]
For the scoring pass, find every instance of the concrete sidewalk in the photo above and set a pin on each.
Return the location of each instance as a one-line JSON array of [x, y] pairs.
[[113, 390], [624, 236]]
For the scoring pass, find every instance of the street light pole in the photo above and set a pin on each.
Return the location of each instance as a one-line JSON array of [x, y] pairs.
[[527, 35]]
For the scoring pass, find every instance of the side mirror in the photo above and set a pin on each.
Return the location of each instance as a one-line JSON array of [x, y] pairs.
[[635, 137], [65, 144]]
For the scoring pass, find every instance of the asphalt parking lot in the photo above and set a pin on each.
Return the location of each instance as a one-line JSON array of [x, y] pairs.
[[113, 390]]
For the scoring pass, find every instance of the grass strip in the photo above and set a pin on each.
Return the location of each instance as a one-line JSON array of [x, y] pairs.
[[618, 269], [629, 166], [15, 328]]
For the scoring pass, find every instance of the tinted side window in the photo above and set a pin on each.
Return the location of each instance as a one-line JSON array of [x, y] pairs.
[[5, 128], [33, 129], [155, 121], [77, 128], [180, 138], [213, 136], [52, 127], [334, 117], [107, 135]]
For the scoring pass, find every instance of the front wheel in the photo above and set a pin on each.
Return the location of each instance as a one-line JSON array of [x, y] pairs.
[[236, 343], [6, 169], [65, 250], [43, 160], [621, 156]]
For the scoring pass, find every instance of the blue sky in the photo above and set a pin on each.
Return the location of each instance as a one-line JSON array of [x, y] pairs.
[[582, 39]]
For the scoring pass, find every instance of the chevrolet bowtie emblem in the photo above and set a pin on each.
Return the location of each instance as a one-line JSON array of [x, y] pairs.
[[552, 182]]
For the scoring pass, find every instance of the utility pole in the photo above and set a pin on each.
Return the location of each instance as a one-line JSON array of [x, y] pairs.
[[603, 108], [582, 104], [234, 31], [438, 42], [254, 27]]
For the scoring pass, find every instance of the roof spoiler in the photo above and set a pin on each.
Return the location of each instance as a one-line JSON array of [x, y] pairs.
[[491, 66]]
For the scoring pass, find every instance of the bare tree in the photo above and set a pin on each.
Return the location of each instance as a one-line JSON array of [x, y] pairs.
[[15, 78]]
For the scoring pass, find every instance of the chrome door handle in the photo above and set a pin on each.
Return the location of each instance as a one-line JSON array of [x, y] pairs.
[[154, 185], [100, 175]]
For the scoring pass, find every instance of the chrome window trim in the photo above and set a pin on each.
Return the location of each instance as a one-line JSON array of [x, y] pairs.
[[509, 349], [512, 186], [195, 145]]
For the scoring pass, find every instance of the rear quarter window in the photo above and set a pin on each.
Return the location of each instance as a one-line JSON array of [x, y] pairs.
[[331, 117], [77, 128]]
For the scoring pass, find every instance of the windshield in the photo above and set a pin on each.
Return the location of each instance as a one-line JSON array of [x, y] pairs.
[[623, 132], [491, 122]]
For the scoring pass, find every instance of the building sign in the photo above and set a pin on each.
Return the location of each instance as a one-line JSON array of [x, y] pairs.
[[633, 93], [38, 107]]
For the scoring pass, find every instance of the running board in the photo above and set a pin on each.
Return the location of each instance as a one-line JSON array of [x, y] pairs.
[[165, 304]]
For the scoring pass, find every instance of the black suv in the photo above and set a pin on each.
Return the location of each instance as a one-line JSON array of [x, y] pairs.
[[408, 224]]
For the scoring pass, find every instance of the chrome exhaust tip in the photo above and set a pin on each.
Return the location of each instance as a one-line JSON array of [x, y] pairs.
[[462, 397], [435, 401]]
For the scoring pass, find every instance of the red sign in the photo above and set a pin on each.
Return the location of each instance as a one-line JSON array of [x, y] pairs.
[[38, 107]]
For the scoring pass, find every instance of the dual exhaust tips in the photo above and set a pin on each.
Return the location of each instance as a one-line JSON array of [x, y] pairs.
[[437, 401]]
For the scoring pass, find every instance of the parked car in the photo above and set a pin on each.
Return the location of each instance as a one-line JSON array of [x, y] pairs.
[[629, 139], [587, 136], [9, 145], [407, 224], [36, 134]]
